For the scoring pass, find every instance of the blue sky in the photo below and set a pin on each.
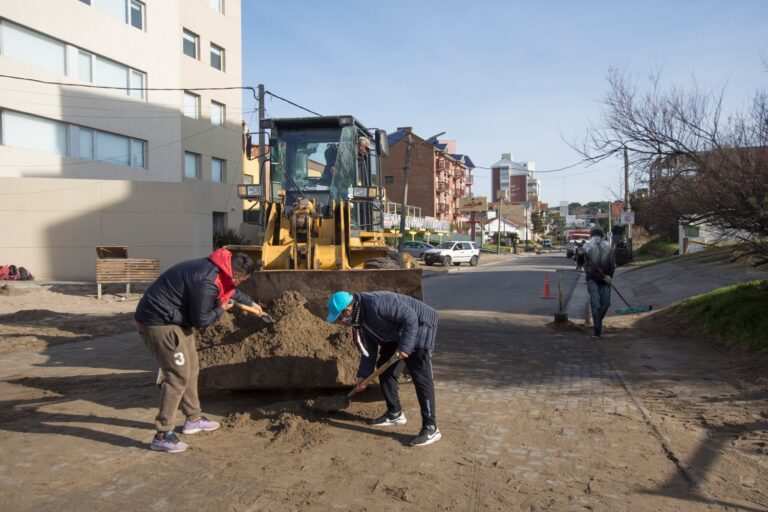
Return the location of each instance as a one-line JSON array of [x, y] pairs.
[[498, 76]]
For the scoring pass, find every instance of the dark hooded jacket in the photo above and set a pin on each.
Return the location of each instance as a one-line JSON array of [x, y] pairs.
[[388, 317], [191, 293]]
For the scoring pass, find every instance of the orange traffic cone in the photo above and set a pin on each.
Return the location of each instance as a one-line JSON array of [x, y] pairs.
[[547, 293]]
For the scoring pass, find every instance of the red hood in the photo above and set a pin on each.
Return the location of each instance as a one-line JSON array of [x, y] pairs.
[[222, 258]]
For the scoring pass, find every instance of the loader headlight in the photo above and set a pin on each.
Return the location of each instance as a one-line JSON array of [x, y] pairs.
[[250, 192], [363, 193]]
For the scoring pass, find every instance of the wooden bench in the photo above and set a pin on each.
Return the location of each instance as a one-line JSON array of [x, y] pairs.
[[114, 267]]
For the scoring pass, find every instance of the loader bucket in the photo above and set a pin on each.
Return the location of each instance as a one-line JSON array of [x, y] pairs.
[[318, 285], [300, 350]]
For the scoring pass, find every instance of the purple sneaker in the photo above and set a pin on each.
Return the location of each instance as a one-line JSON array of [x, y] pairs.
[[201, 425], [168, 443]]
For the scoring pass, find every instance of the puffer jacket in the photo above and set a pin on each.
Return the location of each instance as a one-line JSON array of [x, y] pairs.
[[600, 261], [191, 293], [388, 317]]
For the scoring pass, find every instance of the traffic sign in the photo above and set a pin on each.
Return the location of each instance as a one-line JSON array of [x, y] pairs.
[[627, 218]]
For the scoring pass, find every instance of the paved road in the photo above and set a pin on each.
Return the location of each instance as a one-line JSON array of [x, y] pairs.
[[533, 419], [514, 285]]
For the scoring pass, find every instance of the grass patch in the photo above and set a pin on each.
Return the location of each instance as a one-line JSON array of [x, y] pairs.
[[657, 248], [736, 314]]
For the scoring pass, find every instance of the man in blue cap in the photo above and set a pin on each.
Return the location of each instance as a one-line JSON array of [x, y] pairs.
[[387, 324]]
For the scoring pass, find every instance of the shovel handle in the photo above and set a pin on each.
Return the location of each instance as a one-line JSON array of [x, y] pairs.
[[381, 369], [248, 309]]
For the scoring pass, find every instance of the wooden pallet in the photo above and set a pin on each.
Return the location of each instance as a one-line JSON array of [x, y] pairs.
[[126, 270]]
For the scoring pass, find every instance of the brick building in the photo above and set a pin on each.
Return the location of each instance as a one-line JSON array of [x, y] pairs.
[[437, 177]]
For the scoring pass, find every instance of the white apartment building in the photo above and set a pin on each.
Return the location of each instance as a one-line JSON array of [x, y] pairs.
[[121, 163]]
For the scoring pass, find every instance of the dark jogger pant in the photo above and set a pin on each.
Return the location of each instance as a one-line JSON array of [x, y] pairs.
[[419, 364]]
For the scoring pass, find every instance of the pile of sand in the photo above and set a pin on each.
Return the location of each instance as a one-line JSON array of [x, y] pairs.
[[299, 350]]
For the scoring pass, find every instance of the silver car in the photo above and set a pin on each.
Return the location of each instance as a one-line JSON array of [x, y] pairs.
[[417, 249]]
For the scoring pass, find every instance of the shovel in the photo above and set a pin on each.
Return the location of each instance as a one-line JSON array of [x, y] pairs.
[[339, 402], [264, 316], [620, 311]]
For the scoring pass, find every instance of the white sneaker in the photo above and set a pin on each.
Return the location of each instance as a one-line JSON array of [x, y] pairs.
[[387, 420]]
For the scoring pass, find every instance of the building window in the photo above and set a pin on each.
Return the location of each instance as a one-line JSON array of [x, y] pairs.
[[217, 5], [136, 14], [217, 57], [191, 105], [40, 134], [85, 66], [190, 44], [136, 84], [32, 132], [25, 45], [191, 165], [389, 179], [217, 114], [218, 170]]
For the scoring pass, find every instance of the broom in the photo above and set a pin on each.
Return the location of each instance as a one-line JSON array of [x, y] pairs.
[[629, 310]]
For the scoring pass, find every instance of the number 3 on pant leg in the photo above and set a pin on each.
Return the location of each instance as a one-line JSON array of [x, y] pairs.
[[178, 358]]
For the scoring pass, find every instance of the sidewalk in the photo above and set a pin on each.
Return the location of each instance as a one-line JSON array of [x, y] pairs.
[[705, 404]]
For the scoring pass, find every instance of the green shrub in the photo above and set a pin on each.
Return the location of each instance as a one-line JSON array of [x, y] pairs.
[[658, 248], [734, 314]]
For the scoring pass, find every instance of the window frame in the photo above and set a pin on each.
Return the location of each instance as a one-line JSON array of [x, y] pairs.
[[198, 165], [223, 116], [222, 57], [220, 10], [195, 38], [197, 105], [223, 164], [129, 14]]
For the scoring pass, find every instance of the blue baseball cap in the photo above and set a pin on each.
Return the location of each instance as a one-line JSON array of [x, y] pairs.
[[336, 304]]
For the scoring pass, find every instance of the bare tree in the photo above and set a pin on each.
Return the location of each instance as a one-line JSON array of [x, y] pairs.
[[696, 162]]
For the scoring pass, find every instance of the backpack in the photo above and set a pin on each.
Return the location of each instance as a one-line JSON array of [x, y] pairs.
[[13, 273], [3, 272], [24, 275]]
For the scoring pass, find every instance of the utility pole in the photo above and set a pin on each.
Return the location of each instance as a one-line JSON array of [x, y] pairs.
[[501, 195], [262, 150], [408, 152], [626, 199], [404, 209]]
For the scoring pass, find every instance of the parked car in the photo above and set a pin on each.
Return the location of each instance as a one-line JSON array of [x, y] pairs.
[[417, 249], [455, 251]]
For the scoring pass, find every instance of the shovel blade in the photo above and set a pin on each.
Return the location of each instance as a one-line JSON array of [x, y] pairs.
[[633, 309]]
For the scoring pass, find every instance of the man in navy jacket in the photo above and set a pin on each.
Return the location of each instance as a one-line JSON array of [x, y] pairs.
[[386, 324], [190, 294]]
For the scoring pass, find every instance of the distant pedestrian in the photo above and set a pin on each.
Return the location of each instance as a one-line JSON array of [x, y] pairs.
[[190, 294], [386, 324], [599, 266]]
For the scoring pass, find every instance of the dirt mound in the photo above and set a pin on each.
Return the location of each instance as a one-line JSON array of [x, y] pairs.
[[285, 422], [299, 350]]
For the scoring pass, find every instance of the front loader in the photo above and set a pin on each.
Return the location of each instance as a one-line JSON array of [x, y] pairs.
[[322, 214]]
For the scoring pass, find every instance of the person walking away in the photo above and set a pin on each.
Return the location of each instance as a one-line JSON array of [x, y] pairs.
[[599, 266], [190, 294], [580, 255], [386, 324]]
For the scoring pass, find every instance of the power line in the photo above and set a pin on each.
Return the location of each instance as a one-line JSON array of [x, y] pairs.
[[292, 103], [94, 86]]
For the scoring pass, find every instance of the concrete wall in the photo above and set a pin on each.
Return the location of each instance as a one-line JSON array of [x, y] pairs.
[[59, 208]]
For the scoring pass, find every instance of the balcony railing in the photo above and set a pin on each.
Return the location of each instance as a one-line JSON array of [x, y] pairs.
[[470, 179], [442, 207], [440, 186], [458, 173]]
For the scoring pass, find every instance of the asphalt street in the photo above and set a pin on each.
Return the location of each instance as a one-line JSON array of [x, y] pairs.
[[513, 285]]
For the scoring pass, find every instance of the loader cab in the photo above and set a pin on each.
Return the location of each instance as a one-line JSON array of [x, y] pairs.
[[321, 159]]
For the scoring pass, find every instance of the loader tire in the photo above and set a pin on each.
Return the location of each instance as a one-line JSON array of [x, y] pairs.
[[381, 264]]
